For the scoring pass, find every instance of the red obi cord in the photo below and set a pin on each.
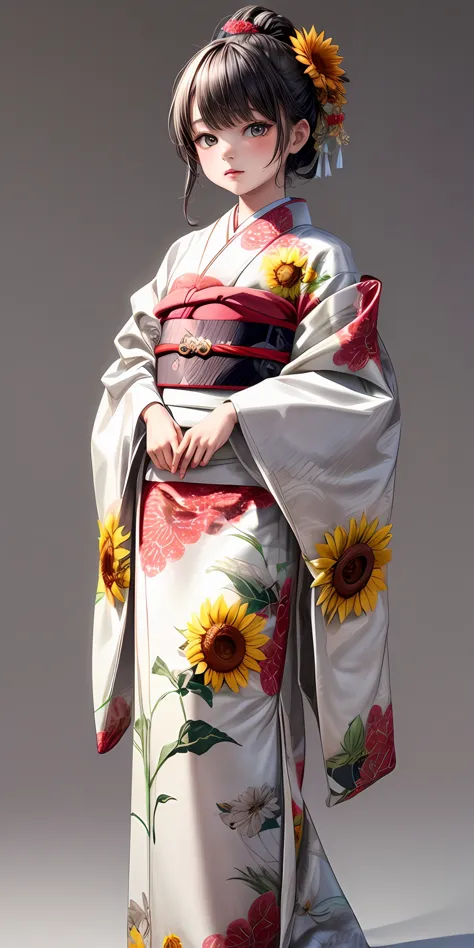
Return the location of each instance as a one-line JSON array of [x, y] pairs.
[[218, 348]]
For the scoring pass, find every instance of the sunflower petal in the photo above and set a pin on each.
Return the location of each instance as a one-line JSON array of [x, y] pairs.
[[256, 653], [324, 562], [383, 557], [365, 601], [233, 610], [332, 546], [340, 537], [326, 592], [250, 662], [369, 531], [259, 622], [241, 676], [217, 680], [362, 527], [255, 641], [231, 680]]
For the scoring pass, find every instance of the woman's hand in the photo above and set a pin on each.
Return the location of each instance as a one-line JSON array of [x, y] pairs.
[[204, 438], [163, 435]]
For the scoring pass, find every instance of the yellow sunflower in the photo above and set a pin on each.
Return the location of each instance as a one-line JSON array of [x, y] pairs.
[[135, 940], [172, 941], [322, 62], [224, 643], [284, 270], [114, 559], [351, 567]]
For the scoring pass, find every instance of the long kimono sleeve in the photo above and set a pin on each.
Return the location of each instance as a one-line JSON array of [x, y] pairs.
[[324, 435], [117, 449]]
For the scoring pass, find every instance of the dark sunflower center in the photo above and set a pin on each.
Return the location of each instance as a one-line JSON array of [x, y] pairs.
[[107, 560], [353, 570], [288, 274], [223, 647]]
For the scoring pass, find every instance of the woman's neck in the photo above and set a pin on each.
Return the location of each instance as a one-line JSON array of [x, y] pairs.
[[253, 201]]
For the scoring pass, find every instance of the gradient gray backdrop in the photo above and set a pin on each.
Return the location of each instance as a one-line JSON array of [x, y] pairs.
[[91, 200]]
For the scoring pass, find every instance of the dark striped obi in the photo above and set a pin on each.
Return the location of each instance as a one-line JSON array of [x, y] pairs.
[[222, 337]]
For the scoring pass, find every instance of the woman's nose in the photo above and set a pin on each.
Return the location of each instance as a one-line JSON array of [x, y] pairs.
[[227, 151]]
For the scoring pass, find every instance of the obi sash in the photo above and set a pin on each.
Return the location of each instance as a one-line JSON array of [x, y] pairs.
[[222, 337]]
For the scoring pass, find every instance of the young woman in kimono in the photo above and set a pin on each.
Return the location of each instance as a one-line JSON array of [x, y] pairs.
[[244, 454]]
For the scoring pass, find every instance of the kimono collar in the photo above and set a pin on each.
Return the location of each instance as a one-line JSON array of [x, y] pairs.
[[225, 259], [299, 209]]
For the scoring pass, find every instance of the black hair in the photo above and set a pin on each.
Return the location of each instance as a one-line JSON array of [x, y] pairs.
[[229, 80]]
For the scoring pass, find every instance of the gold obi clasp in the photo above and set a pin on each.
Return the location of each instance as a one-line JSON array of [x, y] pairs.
[[194, 345]]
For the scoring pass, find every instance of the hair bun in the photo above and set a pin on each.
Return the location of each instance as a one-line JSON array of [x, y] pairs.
[[259, 20]]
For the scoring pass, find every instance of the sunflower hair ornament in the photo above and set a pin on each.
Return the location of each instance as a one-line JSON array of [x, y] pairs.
[[350, 568], [320, 56]]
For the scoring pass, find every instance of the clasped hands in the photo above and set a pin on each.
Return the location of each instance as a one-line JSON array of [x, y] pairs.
[[173, 451]]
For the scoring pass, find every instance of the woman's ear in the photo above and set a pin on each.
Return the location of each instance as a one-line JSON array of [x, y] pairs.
[[299, 136]]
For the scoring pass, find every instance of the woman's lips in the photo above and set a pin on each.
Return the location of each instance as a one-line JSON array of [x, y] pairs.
[[234, 172]]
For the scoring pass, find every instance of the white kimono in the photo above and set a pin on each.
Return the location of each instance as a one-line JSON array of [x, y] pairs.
[[273, 557]]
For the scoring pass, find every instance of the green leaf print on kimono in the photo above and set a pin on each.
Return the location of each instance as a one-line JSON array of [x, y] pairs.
[[367, 753]]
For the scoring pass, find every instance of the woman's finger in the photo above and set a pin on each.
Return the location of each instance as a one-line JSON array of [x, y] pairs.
[[198, 455], [178, 453], [207, 456], [168, 450], [162, 463], [187, 458]]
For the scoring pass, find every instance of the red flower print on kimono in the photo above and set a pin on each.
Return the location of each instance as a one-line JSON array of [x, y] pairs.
[[174, 515], [266, 228], [379, 742], [261, 928], [188, 281], [116, 723], [359, 340], [271, 670]]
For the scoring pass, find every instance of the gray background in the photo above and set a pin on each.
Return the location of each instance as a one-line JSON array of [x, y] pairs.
[[91, 200]]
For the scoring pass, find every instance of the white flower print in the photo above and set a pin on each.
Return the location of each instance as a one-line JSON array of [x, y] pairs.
[[259, 574], [249, 811]]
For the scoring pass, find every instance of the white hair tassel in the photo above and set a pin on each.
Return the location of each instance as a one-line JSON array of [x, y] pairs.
[[319, 167], [339, 162], [327, 164]]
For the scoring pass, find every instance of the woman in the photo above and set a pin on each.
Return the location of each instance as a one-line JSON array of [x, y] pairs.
[[244, 455]]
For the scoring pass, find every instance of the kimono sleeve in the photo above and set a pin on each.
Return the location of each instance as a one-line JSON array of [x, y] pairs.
[[129, 386], [117, 450], [324, 435]]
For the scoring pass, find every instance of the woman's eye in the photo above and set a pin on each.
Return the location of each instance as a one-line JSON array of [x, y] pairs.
[[203, 140], [257, 129]]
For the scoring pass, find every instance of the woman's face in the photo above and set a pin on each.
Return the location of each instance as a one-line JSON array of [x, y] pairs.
[[237, 158]]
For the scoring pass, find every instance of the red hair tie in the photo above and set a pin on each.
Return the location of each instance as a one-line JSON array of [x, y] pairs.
[[239, 26]]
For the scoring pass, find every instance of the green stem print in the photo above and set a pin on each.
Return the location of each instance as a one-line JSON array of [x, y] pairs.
[[195, 737]]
